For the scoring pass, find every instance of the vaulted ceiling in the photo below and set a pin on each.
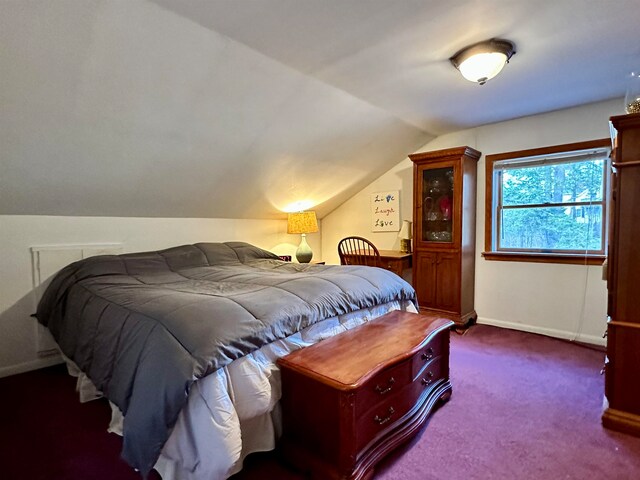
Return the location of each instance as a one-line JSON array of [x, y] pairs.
[[238, 109]]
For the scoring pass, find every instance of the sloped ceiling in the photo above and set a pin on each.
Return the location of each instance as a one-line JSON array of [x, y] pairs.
[[238, 109]]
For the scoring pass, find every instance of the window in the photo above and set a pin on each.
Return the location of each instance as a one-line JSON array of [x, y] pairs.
[[548, 204]]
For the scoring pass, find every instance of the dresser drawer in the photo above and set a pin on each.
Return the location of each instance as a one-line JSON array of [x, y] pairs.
[[389, 410], [393, 379], [383, 385], [426, 355]]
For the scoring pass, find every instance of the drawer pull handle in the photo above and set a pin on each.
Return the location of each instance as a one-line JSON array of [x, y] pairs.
[[382, 390], [603, 369], [382, 421], [605, 334], [428, 355], [428, 379]]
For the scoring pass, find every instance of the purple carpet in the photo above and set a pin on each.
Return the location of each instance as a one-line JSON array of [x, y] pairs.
[[523, 407]]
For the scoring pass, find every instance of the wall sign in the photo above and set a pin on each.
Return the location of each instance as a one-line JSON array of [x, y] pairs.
[[385, 211]]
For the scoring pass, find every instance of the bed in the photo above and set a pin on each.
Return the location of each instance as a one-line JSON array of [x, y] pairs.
[[183, 343]]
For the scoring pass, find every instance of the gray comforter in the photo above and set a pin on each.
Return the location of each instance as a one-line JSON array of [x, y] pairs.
[[145, 326]]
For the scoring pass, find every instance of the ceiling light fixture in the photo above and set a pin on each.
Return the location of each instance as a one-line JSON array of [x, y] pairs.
[[482, 61]]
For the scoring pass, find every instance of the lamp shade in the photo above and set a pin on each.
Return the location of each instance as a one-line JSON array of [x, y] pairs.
[[405, 230], [405, 237], [484, 60], [302, 222]]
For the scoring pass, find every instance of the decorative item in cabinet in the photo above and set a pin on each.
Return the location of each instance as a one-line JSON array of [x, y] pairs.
[[622, 370], [632, 98], [437, 218], [444, 213]]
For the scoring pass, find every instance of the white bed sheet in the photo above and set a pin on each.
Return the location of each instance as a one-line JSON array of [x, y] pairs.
[[234, 411]]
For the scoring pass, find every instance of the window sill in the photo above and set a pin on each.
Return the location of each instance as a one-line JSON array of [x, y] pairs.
[[567, 258]]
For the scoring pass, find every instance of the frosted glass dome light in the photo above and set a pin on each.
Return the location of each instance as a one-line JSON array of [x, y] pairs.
[[483, 61]]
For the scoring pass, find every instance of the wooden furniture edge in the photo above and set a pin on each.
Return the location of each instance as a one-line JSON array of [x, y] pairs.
[[458, 320], [621, 421], [626, 120], [394, 254], [448, 152], [616, 323]]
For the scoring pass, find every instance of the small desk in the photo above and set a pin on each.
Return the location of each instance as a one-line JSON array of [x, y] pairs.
[[393, 260]]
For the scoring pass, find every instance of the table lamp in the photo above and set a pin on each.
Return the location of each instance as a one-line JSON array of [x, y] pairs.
[[303, 223], [405, 237]]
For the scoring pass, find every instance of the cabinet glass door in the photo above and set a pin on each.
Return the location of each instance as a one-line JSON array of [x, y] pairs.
[[437, 205]]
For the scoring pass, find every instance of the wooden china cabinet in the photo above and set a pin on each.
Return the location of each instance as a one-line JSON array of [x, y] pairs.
[[444, 213], [622, 369]]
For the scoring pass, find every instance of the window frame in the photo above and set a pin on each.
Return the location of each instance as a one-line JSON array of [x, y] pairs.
[[519, 255]]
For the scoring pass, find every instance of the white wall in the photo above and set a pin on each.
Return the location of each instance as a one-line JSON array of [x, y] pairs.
[[93, 89], [566, 301], [19, 233], [561, 300]]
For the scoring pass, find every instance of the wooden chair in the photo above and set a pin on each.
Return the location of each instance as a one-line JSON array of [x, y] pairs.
[[358, 251]]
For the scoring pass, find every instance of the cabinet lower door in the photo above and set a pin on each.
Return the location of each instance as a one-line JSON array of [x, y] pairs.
[[623, 371], [425, 278], [448, 282]]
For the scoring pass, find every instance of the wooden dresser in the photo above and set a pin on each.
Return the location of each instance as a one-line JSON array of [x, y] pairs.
[[349, 400], [622, 370]]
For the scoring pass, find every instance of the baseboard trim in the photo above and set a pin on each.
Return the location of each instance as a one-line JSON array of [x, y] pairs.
[[550, 332], [32, 365]]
